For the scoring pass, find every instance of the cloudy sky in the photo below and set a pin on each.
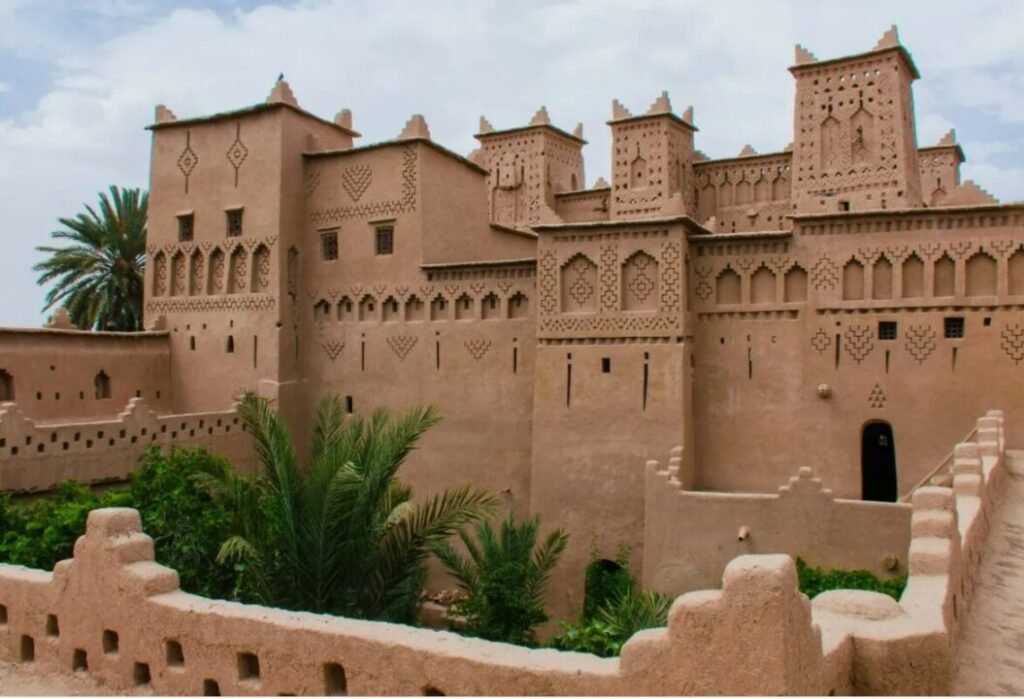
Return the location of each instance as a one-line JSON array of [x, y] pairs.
[[79, 80]]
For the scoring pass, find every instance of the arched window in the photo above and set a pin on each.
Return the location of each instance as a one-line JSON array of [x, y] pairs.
[[490, 307], [102, 384]]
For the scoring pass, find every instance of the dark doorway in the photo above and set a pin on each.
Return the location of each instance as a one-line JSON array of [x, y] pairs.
[[878, 463]]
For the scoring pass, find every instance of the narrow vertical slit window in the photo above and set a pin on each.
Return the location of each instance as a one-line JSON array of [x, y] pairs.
[[568, 380], [647, 376]]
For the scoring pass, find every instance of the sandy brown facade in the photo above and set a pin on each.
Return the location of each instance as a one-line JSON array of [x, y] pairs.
[[844, 304], [115, 613]]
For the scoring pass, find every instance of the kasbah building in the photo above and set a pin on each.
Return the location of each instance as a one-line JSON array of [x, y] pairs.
[[704, 358]]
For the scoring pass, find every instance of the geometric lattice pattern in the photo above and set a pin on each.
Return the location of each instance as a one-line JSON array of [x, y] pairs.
[[858, 342], [824, 274], [876, 399], [188, 160], [821, 341], [356, 180], [401, 345], [381, 209], [920, 341], [237, 152], [478, 347], [1013, 342]]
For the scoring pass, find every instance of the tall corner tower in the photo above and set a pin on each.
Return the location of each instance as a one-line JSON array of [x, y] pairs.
[[652, 162], [527, 166], [855, 146]]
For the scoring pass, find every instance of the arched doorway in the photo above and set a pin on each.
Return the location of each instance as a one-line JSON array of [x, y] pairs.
[[878, 463]]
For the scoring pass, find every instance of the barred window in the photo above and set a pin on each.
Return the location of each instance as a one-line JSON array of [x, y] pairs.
[[887, 330], [234, 223], [186, 224], [329, 245], [954, 328], [385, 240]]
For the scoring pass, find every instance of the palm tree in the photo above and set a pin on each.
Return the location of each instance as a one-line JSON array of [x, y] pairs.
[[98, 276], [504, 578], [342, 535]]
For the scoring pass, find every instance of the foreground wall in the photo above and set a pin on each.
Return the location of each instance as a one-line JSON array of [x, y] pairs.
[[114, 612], [690, 536], [36, 457]]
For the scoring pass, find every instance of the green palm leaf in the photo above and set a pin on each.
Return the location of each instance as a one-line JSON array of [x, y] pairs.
[[98, 276]]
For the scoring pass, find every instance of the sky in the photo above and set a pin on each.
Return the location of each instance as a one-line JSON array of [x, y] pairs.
[[79, 80]]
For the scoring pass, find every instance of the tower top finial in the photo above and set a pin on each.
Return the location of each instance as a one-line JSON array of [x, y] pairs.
[[662, 105], [541, 118], [485, 126], [889, 40], [804, 56], [618, 111], [949, 139], [416, 127], [282, 92]]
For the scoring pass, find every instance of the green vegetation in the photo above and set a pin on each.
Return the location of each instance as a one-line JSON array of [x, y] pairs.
[[814, 581], [341, 535], [615, 609], [170, 492], [98, 275], [39, 533], [504, 578]]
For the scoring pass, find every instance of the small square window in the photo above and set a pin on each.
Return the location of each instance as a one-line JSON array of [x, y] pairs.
[[385, 240], [954, 328], [887, 330], [844, 205], [329, 245], [234, 223], [186, 226]]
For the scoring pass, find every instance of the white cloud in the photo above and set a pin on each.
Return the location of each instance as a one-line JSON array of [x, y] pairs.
[[453, 61], [4, 87]]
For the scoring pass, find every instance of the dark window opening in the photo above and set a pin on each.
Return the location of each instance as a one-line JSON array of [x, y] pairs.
[[231, 344], [606, 365], [6, 386], [186, 228], [954, 328], [329, 245], [887, 330], [385, 239], [234, 221], [349, 405], [102, 385]]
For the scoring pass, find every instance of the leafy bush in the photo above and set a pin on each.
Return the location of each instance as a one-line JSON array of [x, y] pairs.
[[814, 581], [41, 532], [171, 492], [614, 610], [615, 622], [504, 578], [188, 517]]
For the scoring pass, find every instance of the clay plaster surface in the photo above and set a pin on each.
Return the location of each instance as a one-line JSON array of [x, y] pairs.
[[992, 645]]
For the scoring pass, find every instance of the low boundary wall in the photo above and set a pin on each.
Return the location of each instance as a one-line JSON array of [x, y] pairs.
[[690, 536], [36, 457]]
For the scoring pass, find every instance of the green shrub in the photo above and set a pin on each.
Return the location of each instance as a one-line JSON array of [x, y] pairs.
[[605, 580], [814, 581], [614, 609], [172, 492], [41, 532], [615, 622], [504, 578], [178, 496]]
